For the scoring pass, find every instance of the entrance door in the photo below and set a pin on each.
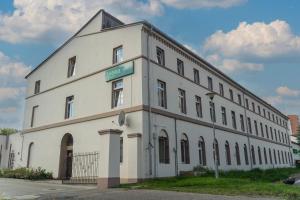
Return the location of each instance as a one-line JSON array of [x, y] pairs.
[[66, 157]]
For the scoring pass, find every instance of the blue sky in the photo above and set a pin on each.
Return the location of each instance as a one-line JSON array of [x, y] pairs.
[[256, 42]]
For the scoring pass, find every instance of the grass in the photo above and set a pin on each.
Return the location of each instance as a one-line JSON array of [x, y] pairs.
[[254, 183]]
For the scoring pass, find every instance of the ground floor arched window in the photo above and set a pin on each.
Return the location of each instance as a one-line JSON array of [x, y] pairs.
[[246, 154], [185, 152], [275, 159], [270, 156], [227, 151], [216, 152], [202, 153], [163, 146], [237, 154], [265, 156], [279, 160], [259, 155], [253, 155], [29, 155]]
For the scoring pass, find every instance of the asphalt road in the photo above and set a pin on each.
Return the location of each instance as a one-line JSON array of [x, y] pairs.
[[20, 189]]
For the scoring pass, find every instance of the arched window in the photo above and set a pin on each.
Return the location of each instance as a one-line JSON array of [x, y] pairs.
[[163, 143], [259, 155], [253, 155], [216, 152], [237, 154], [246, 155], [185, 152], [265, 155], [279, 160], [227, 151], [286, 161], [29, 155], [270, 156], [283, 162], [275, 159], [202, 153]]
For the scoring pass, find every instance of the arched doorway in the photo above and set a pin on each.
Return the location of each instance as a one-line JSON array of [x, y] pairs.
[[66, 157], [29, 155]]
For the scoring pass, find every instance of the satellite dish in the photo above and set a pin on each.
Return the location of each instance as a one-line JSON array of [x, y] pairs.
[[121, 118]]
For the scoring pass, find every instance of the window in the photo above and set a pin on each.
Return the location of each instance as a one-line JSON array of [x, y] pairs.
[[262, 130], [117, 93], [180, 67], [196, 76], [275, 159], [216, 152], [37, 87], [256, 128], [69, 107], [227, 151], [271, 133], [118, 55], [121, 149], [162, 94], [160, 54], [273, 118], [253, 155], [275, 134], [246, 155], [269, 115], [253, 107], [279, 160], [71, 66], [270, 156], [267, 131], [182, 101], [264, 111], [224, 119], [185, 154], [163, 143], [242, 122], [259, 111], [259, 155], [249, 125], [237, 154], [231, 94], [240, 99], [198, 106], [233, 119], [202, 153], [265, 156], [212, 111], [210, 84], [247, 103], [33, 115], [221, 87]]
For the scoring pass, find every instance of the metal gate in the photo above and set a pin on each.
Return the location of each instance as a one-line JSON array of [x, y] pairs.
[[85, 168]]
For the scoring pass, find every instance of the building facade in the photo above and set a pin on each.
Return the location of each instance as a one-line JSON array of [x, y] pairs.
[[74, 99], [294, 119]]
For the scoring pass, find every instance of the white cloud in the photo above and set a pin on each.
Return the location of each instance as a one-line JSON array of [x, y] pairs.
[[250, 46], [286, 91], [8, 110], [10, 68], [180, 4], [10, 93], [47, 19], [274, 100], [44, 20]]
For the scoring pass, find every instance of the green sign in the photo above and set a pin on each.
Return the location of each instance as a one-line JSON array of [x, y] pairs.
[[119, 71]]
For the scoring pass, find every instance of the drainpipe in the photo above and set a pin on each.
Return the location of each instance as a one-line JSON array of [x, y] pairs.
[[176, 148], [150, 146], [247, 130]]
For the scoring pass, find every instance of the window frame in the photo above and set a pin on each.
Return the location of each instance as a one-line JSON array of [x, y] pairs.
[[182, 100], [198, 104], [162, 90], [160, 56], [116, 56], [180, 67], [114, 90], [33, 115], [72, 67], [69, 110], [37, 87]]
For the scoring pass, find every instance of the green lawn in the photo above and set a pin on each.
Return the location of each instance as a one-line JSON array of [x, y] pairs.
[[253, 183]]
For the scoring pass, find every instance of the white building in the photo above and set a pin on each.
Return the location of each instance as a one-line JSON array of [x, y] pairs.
[[74, 98]]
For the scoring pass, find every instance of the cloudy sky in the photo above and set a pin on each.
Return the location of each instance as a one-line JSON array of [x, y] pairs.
[[256, 42]]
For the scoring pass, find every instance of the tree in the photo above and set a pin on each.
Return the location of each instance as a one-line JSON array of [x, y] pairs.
[[7, 131]]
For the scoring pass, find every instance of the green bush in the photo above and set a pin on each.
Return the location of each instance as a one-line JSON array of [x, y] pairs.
[[26, 173]]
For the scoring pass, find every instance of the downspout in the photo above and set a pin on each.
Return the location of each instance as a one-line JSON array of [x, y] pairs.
[[176, 148], [150, 146], [247, 129]]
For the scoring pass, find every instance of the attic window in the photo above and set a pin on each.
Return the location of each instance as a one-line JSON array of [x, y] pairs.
[[71, 66]]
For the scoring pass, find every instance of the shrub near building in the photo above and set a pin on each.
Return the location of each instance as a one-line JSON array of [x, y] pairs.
[[26, 173]]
